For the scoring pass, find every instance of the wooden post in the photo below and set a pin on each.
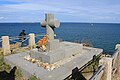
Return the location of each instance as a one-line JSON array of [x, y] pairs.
[[32, 40], [107, 62], [6, 45]]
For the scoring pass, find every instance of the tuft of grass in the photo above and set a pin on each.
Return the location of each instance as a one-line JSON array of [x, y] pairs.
[[3, 66], [88, 71], [6, 67], [33, 78], [18, 75]]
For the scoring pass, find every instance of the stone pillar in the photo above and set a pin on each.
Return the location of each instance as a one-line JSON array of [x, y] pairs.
[[6, 45], [117, 47], [32, 40], [107, 62]]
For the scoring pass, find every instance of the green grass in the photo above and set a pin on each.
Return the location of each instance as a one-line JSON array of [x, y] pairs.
[[33, 78], [6, 67], [3, 66], [18, 75]]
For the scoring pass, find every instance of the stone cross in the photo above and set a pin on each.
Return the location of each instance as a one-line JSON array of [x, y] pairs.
[[50, 24]]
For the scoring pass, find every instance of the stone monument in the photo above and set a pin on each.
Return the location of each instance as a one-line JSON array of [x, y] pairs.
[[56, 50], [50, 24], [67, 55]]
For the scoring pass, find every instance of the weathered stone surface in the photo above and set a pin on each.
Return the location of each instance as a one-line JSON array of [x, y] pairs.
[[49, 57], [6, 45], [117, 47], [32, 40], [53, 45], [107, 62], [50, 24], [71, 48], [65, 50], [60, 73]]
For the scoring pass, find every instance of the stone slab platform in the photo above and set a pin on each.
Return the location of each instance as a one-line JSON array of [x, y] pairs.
[[60, 73], [65, 50]]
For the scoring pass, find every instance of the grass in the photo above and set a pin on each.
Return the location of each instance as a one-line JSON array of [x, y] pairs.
[[3, 66], [33, 78], [18, 75], [89, 70], [6, 67]]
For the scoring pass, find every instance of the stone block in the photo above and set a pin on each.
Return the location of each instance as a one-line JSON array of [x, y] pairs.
[[56, 56], [53, 45], [49, 57], [28, 68], [64, 50]]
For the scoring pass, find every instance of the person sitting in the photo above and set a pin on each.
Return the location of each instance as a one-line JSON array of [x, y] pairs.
[[22, 37]]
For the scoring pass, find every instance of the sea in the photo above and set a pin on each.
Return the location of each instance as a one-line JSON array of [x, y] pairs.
[[98, 35]]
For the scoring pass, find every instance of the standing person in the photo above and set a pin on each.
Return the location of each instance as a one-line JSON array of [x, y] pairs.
[[22, 37]]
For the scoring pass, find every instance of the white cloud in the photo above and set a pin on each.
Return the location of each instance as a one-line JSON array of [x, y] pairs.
[[79, 10], [18, 0], [1, 18], [35, 7], [103, 17]]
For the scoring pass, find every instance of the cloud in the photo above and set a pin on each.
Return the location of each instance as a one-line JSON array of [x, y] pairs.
[[1, 18], [17, 0], [30, 7], [103, 17], [75, 10]]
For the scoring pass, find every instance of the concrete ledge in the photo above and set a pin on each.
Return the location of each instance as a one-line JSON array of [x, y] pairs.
[[65, 50], [60, 73], [48, 57], [71, 48]]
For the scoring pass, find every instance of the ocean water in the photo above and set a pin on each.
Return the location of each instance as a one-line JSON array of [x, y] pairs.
[[100, 35]]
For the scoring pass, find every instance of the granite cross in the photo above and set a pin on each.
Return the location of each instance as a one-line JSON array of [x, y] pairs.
[[50, 24]]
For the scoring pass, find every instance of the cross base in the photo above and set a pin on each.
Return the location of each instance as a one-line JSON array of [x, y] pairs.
[[65, 50], [52, 45]]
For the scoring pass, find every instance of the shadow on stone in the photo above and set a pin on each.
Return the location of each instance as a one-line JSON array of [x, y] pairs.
[[8, 75], [77, 75]]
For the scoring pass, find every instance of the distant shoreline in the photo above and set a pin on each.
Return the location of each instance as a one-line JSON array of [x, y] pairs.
[[61, 22]]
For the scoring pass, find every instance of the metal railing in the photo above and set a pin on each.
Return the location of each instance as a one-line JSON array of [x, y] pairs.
[[17, 39], [84, 66], [98, 74]]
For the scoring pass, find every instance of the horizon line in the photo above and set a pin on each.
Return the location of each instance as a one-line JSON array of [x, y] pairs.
[[70, 22]]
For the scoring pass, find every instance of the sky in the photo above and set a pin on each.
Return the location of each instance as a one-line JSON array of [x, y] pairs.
[[90, 11]]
